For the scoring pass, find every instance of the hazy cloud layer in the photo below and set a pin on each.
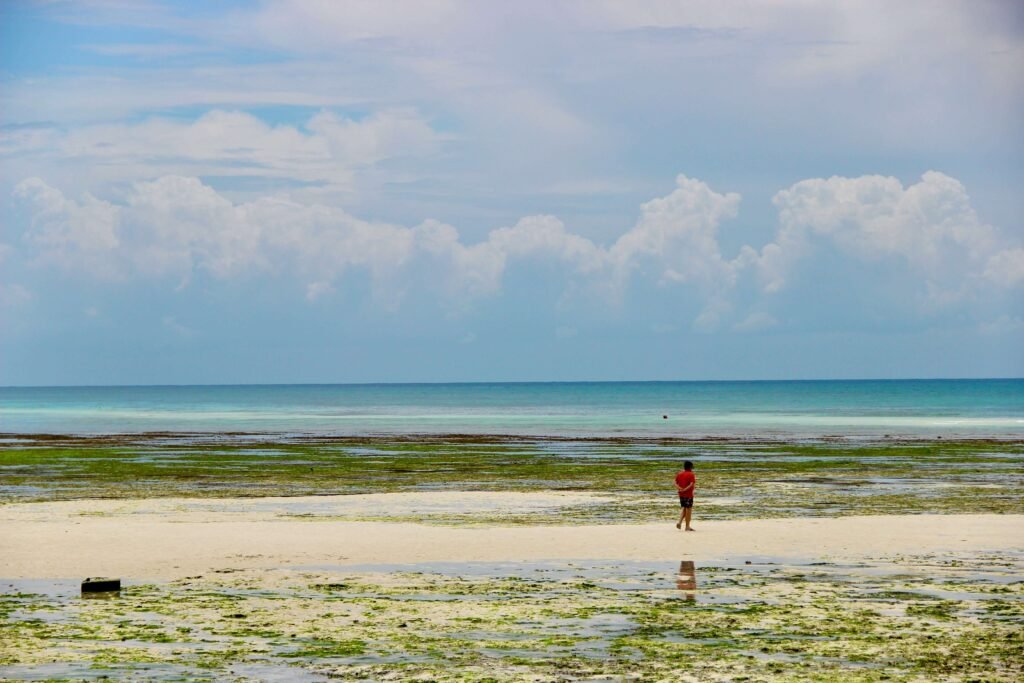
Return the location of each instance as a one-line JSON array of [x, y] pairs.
[[500, 174], [327, 151]]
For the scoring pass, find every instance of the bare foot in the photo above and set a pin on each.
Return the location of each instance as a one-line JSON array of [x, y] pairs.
[[679, 525], [689, 528]]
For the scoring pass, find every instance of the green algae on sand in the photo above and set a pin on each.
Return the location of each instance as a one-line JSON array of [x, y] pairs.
[[827, 477], [884, 620]]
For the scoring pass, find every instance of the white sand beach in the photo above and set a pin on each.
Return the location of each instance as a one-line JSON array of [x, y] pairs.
[[161, 539]]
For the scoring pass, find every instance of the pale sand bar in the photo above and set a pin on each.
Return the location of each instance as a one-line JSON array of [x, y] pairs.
[[158, 539]]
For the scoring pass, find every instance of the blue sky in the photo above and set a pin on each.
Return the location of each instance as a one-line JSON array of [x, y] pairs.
[[313, 191]]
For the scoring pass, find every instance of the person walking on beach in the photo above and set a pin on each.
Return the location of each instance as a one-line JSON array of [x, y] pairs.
[[686, 482]]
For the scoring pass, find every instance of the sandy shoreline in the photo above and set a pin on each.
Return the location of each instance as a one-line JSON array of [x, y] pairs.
[[170, 539], [325, 588]]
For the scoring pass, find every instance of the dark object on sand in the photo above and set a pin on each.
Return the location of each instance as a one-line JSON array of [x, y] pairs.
[[101, 585]]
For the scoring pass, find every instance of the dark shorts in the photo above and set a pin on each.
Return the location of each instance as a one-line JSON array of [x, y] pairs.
[[685, 502]]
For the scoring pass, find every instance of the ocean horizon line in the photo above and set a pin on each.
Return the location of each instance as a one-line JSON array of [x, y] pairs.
[[810, 380]]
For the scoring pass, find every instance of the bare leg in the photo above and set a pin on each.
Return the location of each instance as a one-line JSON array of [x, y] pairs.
[[687, 514], [679, 524]]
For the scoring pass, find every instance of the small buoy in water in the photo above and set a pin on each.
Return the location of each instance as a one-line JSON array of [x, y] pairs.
[[664, 417], [101, 585]]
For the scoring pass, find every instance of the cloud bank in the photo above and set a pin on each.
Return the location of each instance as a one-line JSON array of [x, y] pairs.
[[175, 227]]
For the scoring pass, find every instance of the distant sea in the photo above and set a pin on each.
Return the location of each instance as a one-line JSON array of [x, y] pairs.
[[976, 408]]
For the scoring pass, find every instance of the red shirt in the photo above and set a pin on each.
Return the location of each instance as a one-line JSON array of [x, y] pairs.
[[684, 479]]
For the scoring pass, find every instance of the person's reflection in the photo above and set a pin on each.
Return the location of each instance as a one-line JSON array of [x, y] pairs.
[[687, 579]]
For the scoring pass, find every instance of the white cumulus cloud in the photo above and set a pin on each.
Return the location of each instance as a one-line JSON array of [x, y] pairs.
[[72, 235], [1006, 267], [176, 226], [929, 227]]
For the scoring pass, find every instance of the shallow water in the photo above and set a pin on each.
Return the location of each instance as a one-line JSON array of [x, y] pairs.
[[781, 408]]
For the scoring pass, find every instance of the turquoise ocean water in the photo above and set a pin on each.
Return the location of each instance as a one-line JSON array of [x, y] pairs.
[[785, 408]]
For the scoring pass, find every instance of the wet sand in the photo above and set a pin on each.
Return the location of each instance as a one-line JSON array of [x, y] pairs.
[[174, 538]]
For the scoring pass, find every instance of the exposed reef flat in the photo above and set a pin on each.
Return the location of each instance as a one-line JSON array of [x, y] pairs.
[[738, 478], [247, 558]]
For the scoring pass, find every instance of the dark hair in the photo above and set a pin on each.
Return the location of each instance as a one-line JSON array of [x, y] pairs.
[[687, 465]]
